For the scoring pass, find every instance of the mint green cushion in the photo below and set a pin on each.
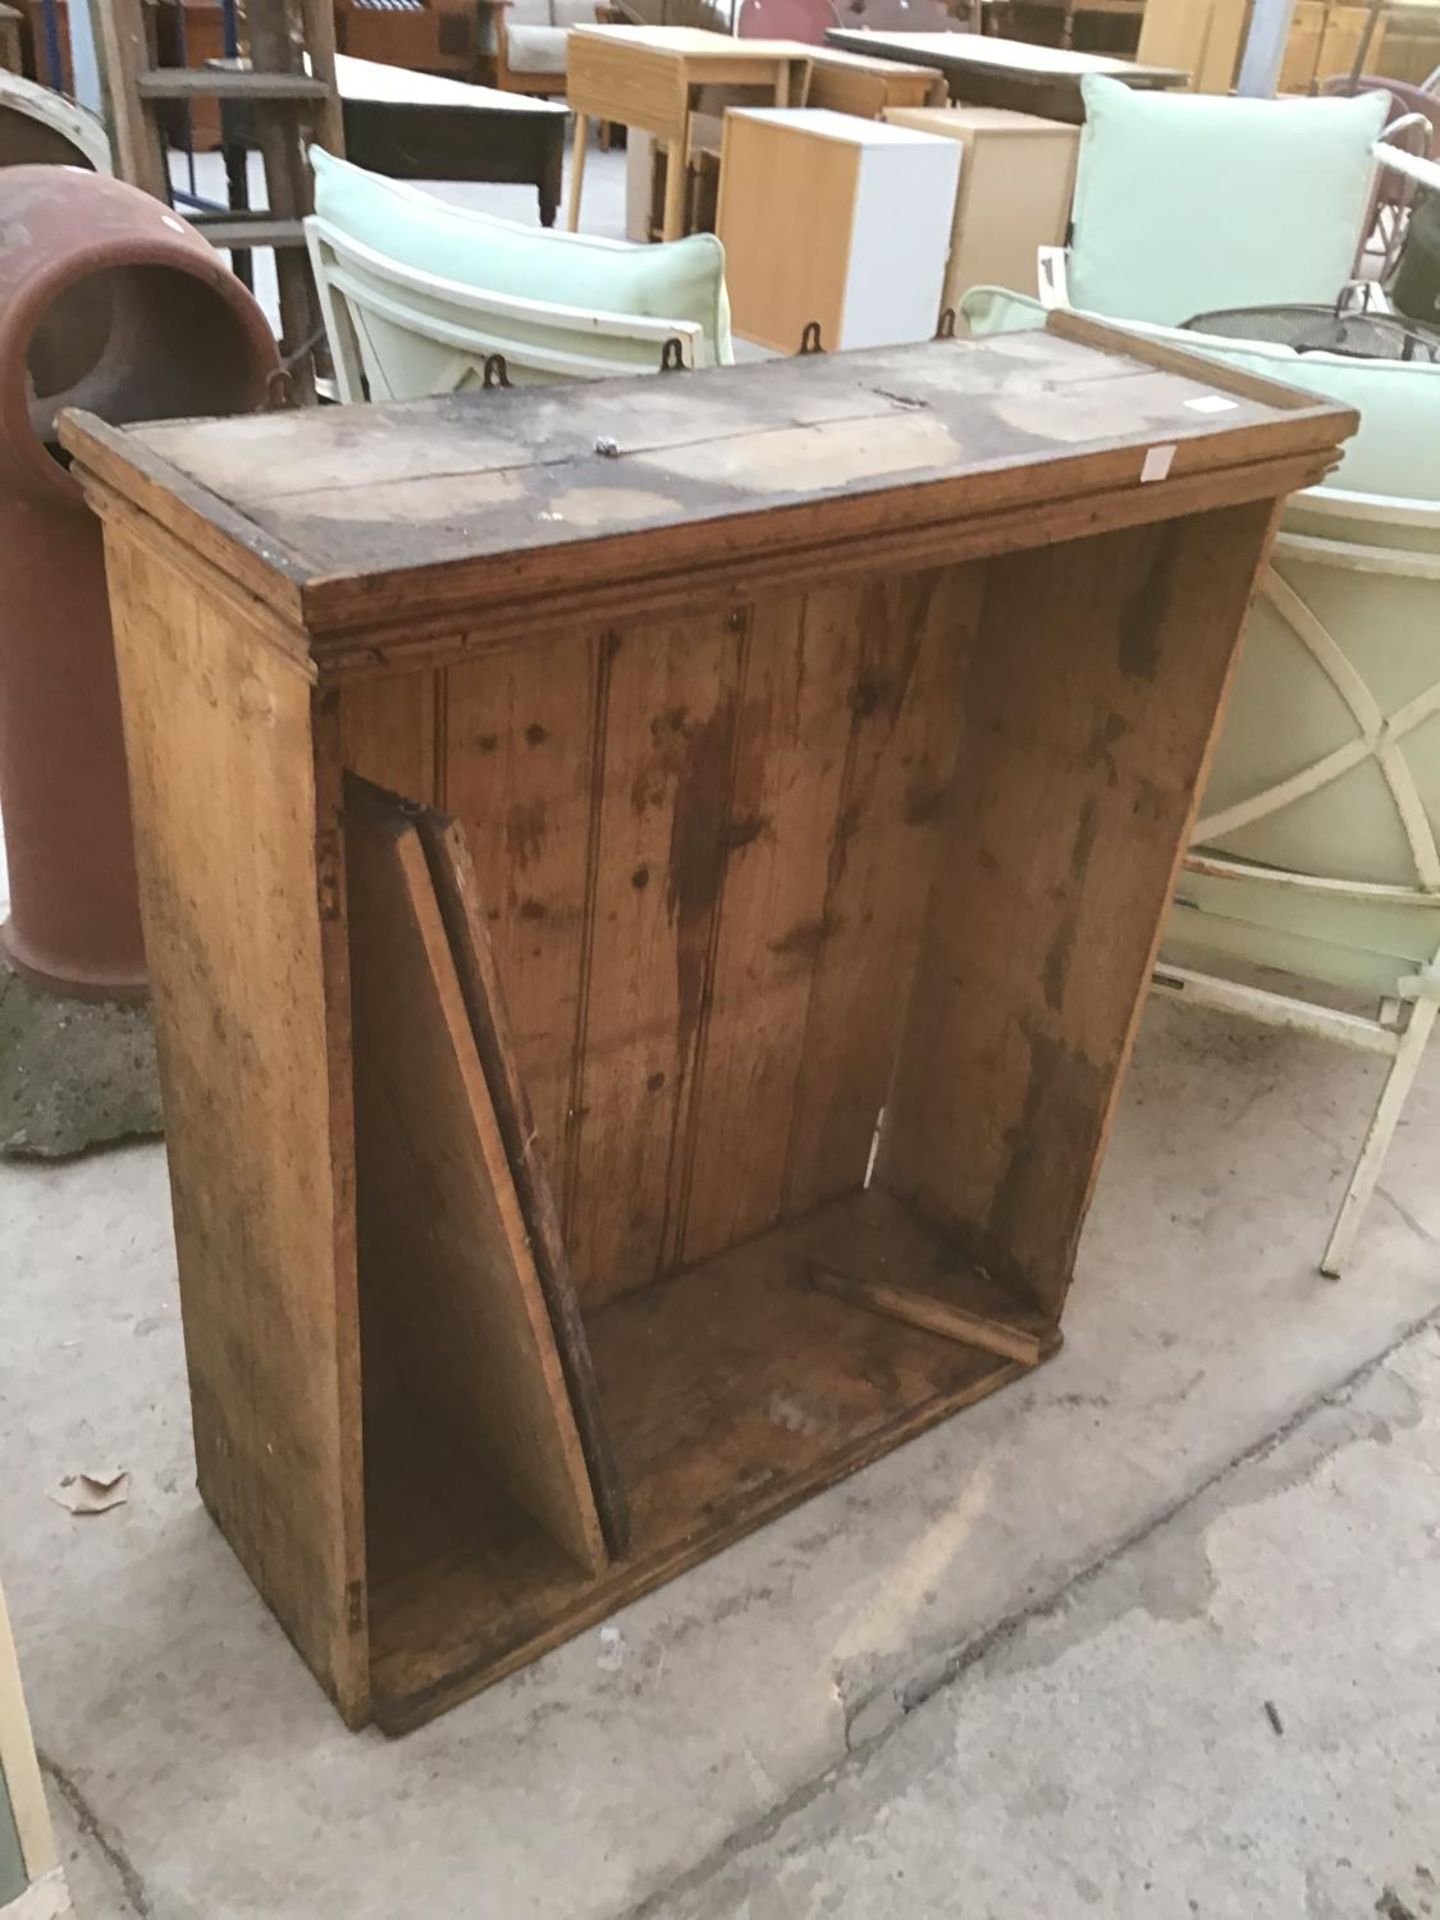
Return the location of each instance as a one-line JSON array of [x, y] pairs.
[[681, 280], [1187, 202], [1396, 450]]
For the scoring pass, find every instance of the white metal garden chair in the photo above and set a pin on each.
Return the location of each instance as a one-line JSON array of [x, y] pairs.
[[397, 333], [1316, 853], [1318, 847]]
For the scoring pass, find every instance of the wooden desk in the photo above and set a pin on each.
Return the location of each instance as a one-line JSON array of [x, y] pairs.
[[1006, 73], [648, 77], [858, 83], [416, 126], [829, 744], [851, 83]]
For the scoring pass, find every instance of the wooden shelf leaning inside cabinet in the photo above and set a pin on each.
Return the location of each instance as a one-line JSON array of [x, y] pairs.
[[711, 1100], [1017, 180]]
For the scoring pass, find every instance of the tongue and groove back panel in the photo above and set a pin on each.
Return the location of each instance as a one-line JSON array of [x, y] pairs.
[[706, 849]]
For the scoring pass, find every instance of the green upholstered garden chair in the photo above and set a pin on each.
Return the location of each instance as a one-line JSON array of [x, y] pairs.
[[1186, 203], [419, 294], [1316, 853]]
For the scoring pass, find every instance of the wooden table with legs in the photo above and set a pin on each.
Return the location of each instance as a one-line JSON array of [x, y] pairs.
[[648, 77], [1017, 74], [421, 126]]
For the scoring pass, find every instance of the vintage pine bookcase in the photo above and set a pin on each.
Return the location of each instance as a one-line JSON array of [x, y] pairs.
[[820, 738]]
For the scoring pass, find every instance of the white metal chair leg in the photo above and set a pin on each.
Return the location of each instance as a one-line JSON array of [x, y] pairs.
[[1389, 1107]]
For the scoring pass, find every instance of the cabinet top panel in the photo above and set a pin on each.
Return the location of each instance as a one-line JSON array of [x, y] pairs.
[[372, 528]]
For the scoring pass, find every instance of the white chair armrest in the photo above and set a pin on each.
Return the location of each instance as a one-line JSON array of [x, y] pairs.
[[1425, 173], [1050, 272]]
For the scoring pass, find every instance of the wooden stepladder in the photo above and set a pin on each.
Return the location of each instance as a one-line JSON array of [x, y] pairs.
[[287, 87]]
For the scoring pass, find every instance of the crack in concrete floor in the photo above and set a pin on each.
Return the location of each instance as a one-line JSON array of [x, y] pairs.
[[108, 1844], [992, 1644]]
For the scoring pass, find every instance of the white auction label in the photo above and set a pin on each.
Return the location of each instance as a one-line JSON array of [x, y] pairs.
[[1157, 463]]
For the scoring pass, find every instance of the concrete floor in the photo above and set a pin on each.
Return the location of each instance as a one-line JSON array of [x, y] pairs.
[[1019, 1666]]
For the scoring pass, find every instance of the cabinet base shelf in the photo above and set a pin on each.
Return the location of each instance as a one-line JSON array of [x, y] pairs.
[[733, 1391]]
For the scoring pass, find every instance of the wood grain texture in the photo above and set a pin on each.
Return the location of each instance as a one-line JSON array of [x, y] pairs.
[[446, 1272], [1086, 731], [735, 1391], [519, 739], [933, 1312], [388, 733], [786, 219], [831, 747], [382, 520], [913, 637], [852, 83], [793, 730], [663, 790], [880, 1256], [218, 739], [458, 897]]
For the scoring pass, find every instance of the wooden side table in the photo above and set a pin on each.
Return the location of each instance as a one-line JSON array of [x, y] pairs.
[[648, 77], [835, 222], [859, 84], [1017, 180]]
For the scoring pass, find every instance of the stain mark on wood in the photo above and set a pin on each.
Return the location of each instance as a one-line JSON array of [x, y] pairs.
[[1147, 607], [525, 832]]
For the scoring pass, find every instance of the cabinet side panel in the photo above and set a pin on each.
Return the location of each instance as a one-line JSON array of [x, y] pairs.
[[219, 743], [1090, 709]]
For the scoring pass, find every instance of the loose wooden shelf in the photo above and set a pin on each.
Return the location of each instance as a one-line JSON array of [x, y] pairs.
[[646, 942]]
